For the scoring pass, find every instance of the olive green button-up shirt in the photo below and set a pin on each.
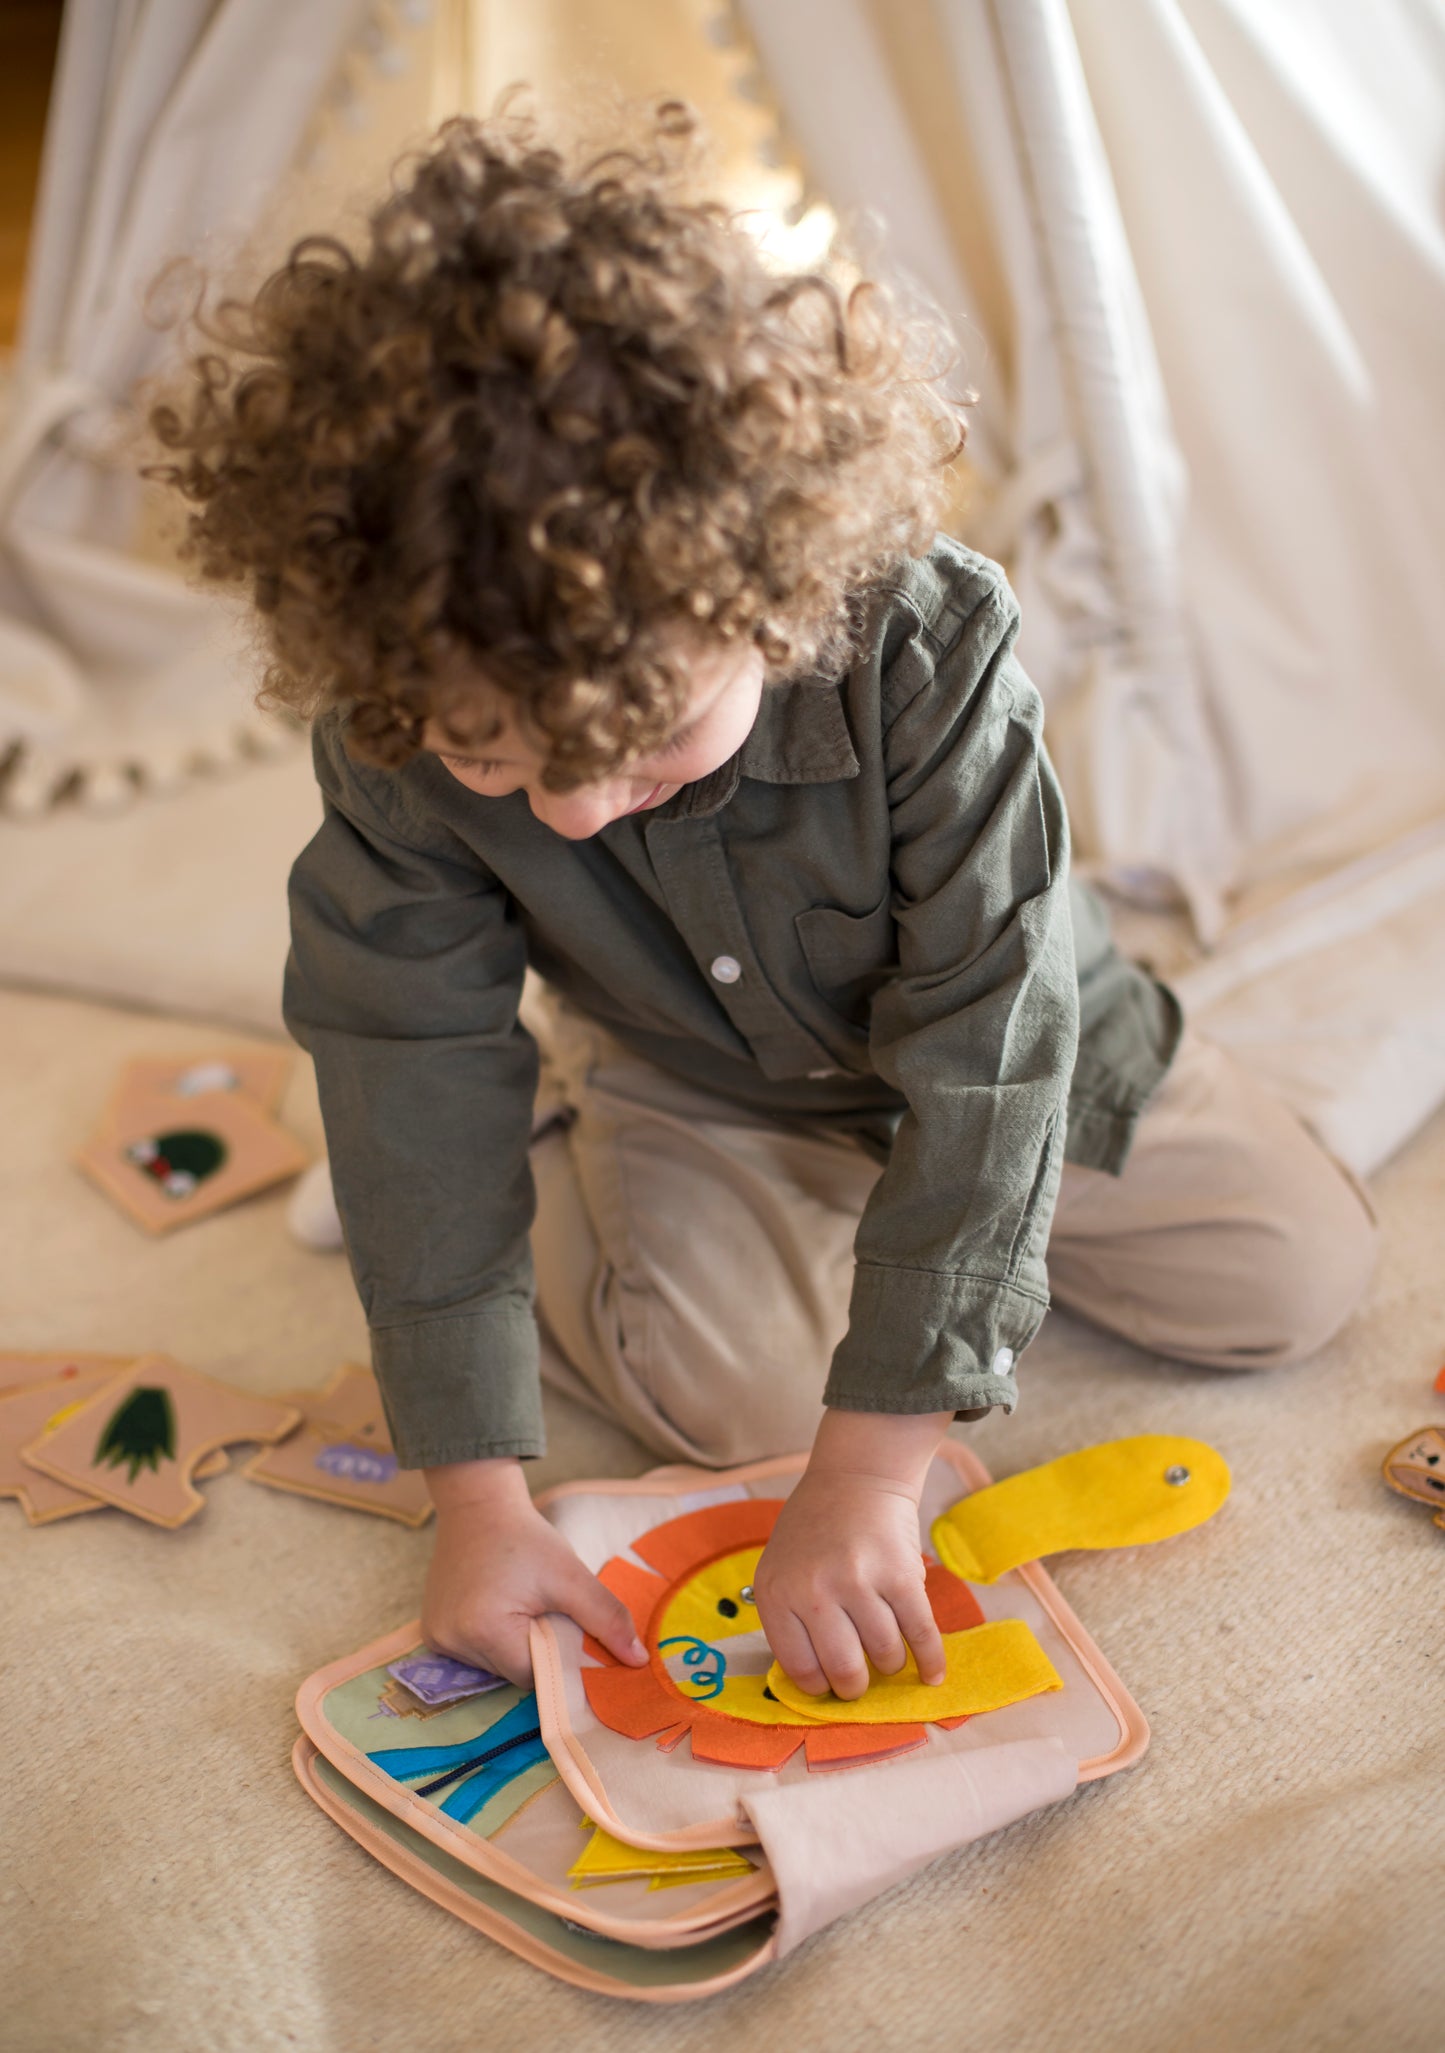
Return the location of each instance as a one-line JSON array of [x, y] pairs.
[[862, 919]]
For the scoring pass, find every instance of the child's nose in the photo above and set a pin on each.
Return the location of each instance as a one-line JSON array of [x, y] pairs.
[[576, 815]]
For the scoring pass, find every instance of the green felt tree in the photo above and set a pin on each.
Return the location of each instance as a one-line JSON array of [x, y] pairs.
[[141, 1432]]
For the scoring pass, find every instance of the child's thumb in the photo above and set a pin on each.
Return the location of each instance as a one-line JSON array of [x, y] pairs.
[[608, 1619]]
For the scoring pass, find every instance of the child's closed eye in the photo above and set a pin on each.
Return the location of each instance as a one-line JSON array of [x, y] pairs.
[[678, 742]]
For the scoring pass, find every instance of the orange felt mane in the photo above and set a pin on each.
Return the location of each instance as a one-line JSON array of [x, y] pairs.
[[646, 1703]]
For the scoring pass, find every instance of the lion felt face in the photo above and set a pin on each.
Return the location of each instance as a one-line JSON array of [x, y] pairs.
[[707, 1675]]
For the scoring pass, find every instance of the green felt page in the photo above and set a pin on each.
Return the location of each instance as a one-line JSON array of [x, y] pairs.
[[642, 1967]]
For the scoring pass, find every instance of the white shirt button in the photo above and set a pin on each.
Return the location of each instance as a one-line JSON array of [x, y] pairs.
[[1003, 1361], [726, 969]]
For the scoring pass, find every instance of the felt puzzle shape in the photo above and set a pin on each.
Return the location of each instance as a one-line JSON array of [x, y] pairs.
[[1121, 1493], [167, 1162], [26, 1414], [138, 1442], [342, 1453], [1416, 1469], [22, 1371], [259, 1074]]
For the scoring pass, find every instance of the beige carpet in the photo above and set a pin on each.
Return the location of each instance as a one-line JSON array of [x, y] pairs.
[[1271, 1877]]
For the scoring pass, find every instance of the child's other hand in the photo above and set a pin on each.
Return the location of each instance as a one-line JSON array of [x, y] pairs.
[[497, 1565], [840, 1582]]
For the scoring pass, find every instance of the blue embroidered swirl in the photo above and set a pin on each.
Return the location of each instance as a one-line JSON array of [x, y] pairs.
[[708, 1681]]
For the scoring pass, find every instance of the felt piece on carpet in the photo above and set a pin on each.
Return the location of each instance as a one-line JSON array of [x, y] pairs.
[[259, 1074], [343, 1455], [990, 1666], [605, 1859], [168, 1161], [1122, 1493], [152, 1476], [20, 1371], [24, 1415], [1416, 1468]]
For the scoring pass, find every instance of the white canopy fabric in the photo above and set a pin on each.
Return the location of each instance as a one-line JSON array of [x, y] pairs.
[[172, 123], [1195, 252]]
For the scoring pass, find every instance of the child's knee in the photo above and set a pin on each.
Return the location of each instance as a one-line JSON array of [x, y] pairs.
[[1308, 1272]]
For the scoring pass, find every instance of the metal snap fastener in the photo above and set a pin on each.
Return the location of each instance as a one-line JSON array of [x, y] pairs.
[[746, 1593], [1176, 1475]]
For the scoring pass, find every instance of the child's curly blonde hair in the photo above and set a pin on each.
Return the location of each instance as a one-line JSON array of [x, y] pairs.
[[550, 415]]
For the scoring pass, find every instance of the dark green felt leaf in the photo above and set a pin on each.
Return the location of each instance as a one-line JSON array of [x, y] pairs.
[[141, 1431]]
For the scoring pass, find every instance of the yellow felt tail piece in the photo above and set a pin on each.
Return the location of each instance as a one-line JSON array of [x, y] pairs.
[[1121, 1493], [988, 1666]]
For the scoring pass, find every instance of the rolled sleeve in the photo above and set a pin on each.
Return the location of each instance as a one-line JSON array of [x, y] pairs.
[[977, 1029], [403, 982]]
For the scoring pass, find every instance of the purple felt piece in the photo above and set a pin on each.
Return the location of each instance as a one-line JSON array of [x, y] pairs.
[[357, 1464], [437, 1679]]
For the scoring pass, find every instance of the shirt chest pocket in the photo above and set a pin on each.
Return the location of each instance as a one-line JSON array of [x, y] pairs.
[[849, 955]]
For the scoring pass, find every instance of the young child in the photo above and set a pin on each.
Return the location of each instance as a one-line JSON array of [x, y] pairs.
[[604, 558]]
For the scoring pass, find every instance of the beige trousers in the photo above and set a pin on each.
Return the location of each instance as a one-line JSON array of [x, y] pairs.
[[694, 1262]]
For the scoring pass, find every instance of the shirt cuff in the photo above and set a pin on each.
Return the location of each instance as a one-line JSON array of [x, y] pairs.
[[462, 1388], [920, 1340]]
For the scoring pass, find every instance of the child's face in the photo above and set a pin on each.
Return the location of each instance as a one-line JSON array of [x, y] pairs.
[[725, 690]]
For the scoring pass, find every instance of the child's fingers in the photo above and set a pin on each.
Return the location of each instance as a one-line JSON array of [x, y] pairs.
[[919, 1627], [507, 1653], [878, 1630], [793, 1651], [606, 1617], [840, 1654]]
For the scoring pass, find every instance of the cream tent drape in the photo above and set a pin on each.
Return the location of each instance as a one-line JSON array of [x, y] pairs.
[[1195, 251], [173, 125]]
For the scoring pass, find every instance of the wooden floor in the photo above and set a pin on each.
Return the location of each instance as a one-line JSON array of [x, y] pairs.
[[29, 31]]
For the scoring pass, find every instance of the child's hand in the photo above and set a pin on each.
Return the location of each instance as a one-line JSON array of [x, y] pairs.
[[840, 1582], [497, 1565]]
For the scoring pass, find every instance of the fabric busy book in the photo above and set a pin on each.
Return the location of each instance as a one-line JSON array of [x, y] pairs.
[[662, 1832]]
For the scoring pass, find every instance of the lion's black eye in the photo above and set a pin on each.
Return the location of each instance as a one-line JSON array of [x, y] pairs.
[[727, 1607]]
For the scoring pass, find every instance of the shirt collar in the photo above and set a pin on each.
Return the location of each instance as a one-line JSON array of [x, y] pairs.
[[799, 737]]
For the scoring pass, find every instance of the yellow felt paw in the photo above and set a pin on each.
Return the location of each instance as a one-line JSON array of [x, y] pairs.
[[988, 1666], [1121, 1493]]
